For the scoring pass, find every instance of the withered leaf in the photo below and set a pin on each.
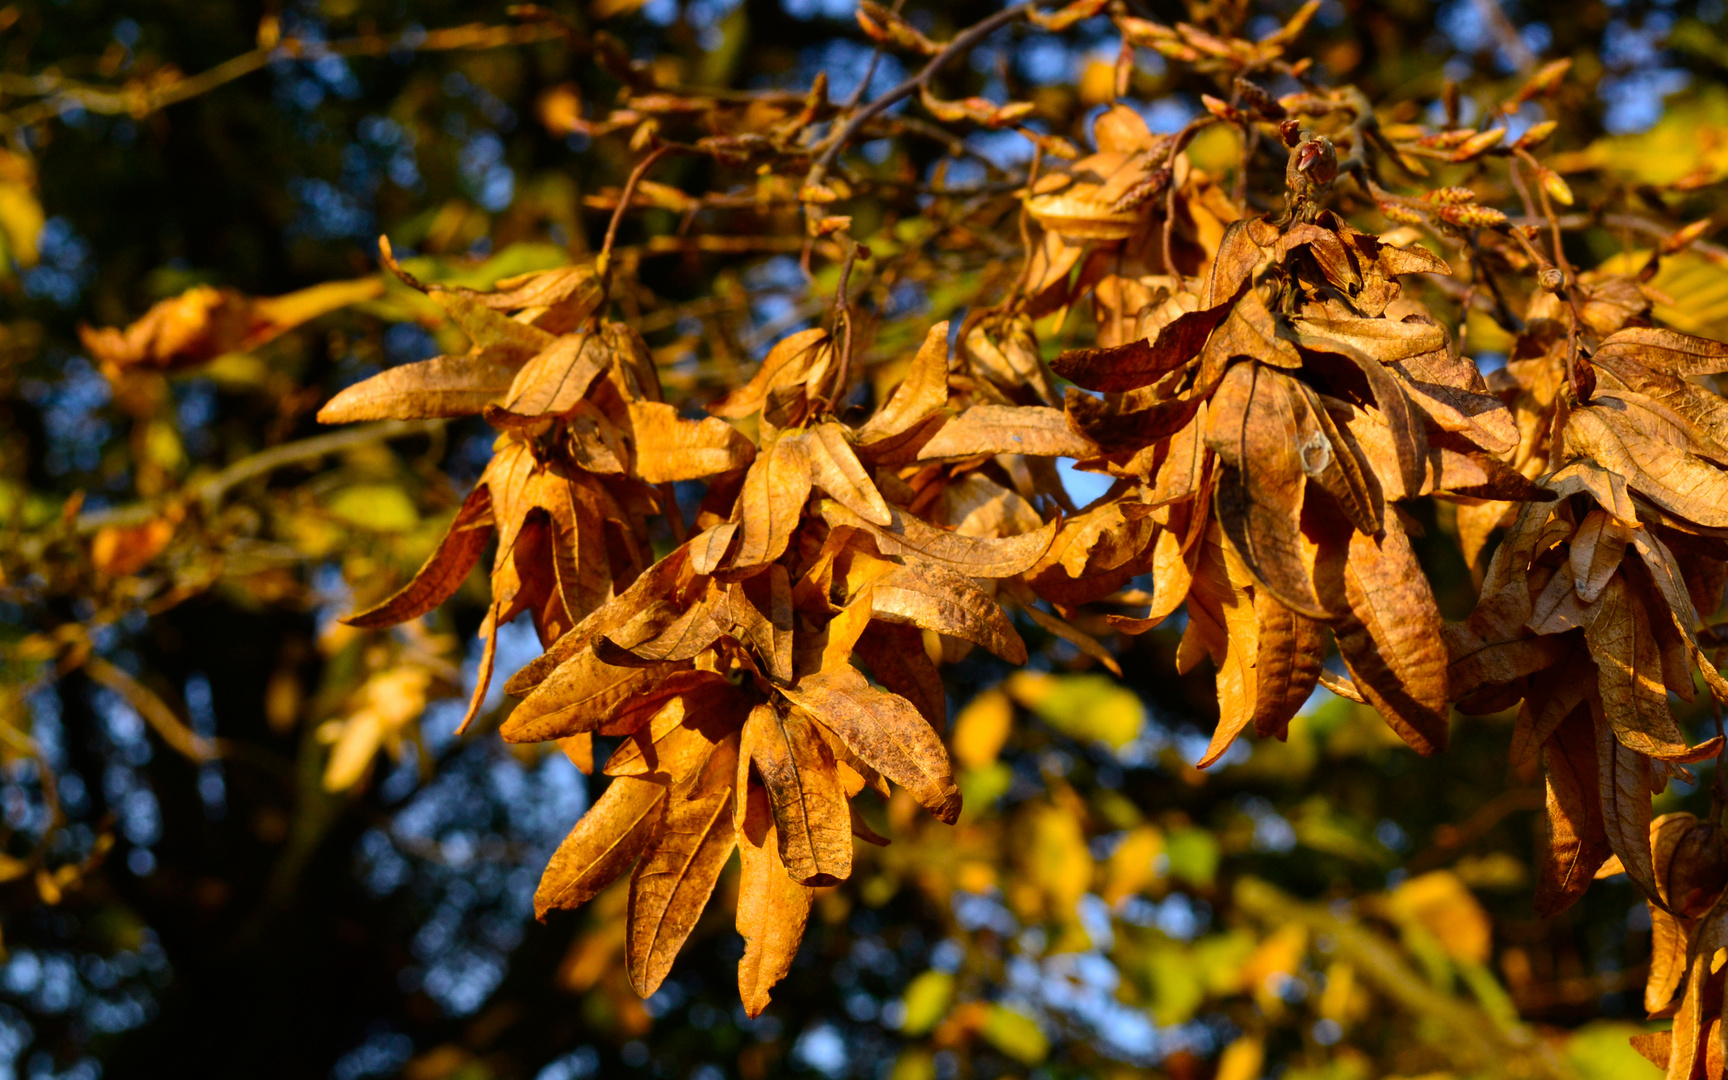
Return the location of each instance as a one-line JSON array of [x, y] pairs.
[[554, 380], [1261, 480], [673, 881], [1007, 429], [1405, 428], [711, 547], [1289, 651], [1382, 339], [1629, 666], [610, 837], [443, 572], [896, 658], [642, 602], [1222, 623], [1558, 608], [575, 507], [1577, 842], [1701, 415], [1482, 418], [922, 393], [1141, 363], [1241, 250], [1670, 582], [1665, 350], [761, 613], [772, 908], [836, 470], [971, 555], [1595, 552], [1392, 642], [511, 342], [1250, 331], [686, 636], [885, 731], [670, 448], [678, 740], [1668, 476], [441, 386], [789, 362], [810, 814], [578, 696], [772, 501], [1624, 782], [1554, 693], [932, 597], [1330, 461]]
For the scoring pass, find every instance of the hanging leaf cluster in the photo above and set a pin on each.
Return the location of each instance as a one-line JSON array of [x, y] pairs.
[[1272, 377]]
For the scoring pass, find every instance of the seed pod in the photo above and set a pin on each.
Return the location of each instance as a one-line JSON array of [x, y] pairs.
[[1403, 215], [1223, 110], [1536, 135], [1543, 82], [1555, 186], [1479, 144], [1472, 216], [1686, 236], [1450, 196]]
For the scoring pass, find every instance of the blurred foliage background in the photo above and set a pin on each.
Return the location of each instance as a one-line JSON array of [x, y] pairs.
[[238, 838]]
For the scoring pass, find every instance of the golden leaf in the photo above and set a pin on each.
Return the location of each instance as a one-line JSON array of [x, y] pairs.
[[885, 731], [810, 812], [610, 837], [772, 908]]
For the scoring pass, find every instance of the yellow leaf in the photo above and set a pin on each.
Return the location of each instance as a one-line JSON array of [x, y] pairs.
[[1017, 1035], [1133, 865], [1442, 905], [1242, 1059], [926, 1002], [1274, 961], [1085, 707], [1054, 858], [377, 507], [21, 216], [981, 728]]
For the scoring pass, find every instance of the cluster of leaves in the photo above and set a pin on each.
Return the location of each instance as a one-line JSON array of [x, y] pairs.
[[751, 595]]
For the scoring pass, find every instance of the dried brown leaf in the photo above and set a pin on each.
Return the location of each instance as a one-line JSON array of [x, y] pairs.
[[670, 448], [673, 881], [810, 813], [772, 908], [610, 837], [1007, 429], [885, 731], [443, 572], [973, 556]]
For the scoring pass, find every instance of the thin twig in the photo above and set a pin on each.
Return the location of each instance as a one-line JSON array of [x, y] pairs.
[[137, 101], [843, 319], [960, 44], [154, 710], [209, 493], [603, 262]]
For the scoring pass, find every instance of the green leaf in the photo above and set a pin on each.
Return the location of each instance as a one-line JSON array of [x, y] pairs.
[[378, 507], [1092, 708], [1178, 985], [1193, 855], [981, 787], [1692, 137], [1599, 1051]]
